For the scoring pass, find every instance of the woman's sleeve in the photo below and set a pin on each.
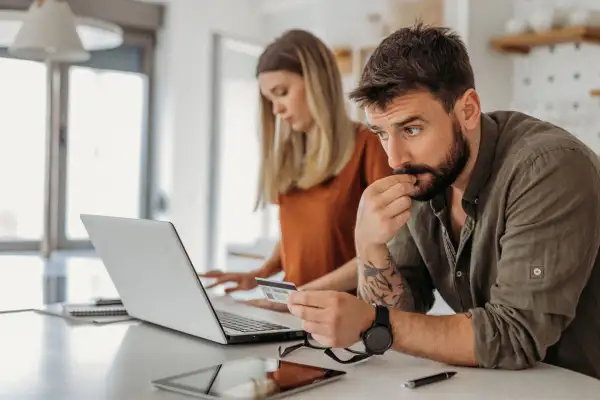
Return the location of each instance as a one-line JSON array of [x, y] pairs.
[[376, 161]]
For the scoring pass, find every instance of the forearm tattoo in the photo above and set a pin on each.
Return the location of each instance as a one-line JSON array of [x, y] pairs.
[[384, 285]]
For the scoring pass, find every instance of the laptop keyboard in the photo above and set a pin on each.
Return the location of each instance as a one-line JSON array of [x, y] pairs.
[[244, 324]]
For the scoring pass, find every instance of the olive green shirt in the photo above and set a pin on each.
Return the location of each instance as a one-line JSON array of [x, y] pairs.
[[526, 266]]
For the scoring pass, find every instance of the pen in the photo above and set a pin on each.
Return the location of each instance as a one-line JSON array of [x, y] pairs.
[[415, 383]]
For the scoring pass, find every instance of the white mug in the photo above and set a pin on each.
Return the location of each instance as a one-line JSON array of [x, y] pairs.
[[542, 20], [583, 16], [514, 26]]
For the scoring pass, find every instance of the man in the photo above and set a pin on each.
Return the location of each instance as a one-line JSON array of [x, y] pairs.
[[499, 212]]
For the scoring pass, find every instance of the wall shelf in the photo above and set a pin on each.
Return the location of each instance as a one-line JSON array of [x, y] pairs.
[[343, 56], [523, 43]]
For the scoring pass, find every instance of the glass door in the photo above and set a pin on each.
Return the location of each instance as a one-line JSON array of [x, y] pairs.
[[235, 229], [106, 136], [23, 91], [105, 160]]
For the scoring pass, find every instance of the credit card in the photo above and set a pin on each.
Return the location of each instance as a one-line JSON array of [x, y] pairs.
[[276, 291]]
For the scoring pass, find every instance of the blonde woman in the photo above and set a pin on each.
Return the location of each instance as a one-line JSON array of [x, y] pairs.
[[316, 162]]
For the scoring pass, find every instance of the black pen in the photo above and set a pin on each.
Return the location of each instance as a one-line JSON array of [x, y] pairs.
[[415, 383]]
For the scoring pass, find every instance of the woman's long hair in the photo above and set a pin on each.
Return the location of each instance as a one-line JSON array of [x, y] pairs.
[[285, 163]]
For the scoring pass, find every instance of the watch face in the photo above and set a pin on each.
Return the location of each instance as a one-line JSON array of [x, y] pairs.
[[378, 339]]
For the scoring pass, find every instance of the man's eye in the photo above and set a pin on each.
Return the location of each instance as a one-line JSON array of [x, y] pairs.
[[413, 130]]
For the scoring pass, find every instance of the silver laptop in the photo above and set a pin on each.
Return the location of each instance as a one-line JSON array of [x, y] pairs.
[[157, 283]]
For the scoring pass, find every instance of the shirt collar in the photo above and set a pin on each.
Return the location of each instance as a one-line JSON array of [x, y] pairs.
[[485, 159]]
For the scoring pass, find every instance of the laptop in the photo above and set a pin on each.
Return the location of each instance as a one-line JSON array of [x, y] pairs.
[[157, 283]]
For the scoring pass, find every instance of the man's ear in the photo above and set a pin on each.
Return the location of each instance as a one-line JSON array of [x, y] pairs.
[[468, 110]]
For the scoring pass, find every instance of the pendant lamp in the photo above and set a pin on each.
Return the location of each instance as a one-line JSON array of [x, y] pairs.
[[50, 32]]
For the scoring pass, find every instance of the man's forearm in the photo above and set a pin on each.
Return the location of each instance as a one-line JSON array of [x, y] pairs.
[[379, 281], [449, 338], [343, 279]]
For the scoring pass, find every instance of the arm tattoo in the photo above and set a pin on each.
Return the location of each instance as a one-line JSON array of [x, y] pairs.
[[391, 265], [384, 285]]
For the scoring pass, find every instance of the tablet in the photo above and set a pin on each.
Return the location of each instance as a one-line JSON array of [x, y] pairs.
[[249, 378]]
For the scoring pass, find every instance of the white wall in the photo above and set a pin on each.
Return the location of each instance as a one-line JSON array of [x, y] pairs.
[[182, 107], [553, 83], [477, 21], [344, 23], [337, 22]]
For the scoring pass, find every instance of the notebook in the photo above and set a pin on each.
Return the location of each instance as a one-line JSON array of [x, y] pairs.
[[94, 311], [86, 313]]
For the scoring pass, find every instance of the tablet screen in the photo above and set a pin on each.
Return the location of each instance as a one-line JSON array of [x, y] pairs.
[[251, 378]]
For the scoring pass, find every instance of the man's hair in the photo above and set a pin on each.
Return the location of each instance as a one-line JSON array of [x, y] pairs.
[[416, 58]]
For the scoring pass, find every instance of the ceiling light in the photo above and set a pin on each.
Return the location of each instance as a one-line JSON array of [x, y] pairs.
[[49, 31]]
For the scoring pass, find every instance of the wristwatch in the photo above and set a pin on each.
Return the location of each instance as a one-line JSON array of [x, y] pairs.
[[378, 338]]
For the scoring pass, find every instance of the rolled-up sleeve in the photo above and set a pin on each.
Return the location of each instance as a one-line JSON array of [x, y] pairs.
[[548, 249], [410, 266]]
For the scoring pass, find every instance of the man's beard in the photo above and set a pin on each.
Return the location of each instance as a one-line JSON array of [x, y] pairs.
[[444, 176]]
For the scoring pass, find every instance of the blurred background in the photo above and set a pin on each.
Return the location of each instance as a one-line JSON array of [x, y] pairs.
[[161, 121]]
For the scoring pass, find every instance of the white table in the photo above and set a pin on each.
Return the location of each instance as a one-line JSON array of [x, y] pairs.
[[45, 357]]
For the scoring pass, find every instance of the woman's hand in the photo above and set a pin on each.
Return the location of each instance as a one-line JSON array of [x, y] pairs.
[[244, 281]]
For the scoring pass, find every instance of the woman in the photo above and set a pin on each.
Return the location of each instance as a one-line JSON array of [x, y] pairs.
[[316, 163]]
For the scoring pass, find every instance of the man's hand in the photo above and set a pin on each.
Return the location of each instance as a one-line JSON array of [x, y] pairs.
[[384, 207], [334, 319], [337, 319]]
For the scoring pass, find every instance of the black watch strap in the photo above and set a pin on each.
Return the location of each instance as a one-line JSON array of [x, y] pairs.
[[373, 338], [382, 316]]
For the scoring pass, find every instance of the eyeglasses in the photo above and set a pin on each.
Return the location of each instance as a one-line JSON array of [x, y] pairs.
[[311, 344]]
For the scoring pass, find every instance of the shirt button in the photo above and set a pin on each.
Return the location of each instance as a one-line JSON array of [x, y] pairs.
[[537, 271], [459, 274]]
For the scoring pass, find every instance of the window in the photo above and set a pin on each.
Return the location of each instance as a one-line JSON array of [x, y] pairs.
[[99, 156], [22, 150], [105, 137]]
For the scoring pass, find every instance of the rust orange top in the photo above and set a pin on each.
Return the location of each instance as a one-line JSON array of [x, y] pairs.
[[317, 225]]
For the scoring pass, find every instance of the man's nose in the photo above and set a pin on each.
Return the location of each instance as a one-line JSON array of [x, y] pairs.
[[398, 154]]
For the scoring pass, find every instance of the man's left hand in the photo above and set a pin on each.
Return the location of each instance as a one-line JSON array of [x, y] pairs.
[[335, 319]]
